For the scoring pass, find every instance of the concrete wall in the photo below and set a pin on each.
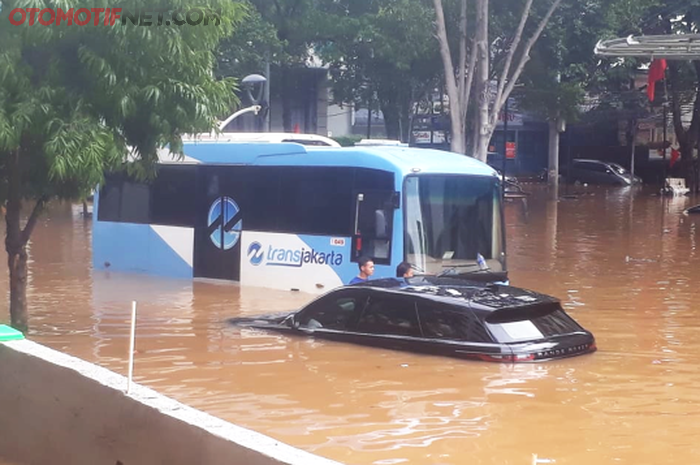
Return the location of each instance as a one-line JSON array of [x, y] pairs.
[[340, 120], [56, 409]]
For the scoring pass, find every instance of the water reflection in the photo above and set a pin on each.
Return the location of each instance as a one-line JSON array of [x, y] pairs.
[[623, 261]]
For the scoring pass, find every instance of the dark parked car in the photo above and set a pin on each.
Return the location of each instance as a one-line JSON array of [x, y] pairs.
[[440, 316], [598, 172]]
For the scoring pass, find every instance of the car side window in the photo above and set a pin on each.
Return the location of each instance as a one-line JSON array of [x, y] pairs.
[[440, 322], [333, 313], [390, 315]]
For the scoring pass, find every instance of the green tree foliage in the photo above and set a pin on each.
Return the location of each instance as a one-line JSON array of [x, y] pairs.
[[253, 43], [564, 68], [282, 33], [381, 51], [75, 99]]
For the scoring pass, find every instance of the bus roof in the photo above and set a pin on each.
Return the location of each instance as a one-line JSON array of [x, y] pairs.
[[261, 137], [406, 160]]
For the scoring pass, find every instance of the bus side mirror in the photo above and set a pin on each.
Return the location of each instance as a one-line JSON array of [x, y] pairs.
[[380, 227]]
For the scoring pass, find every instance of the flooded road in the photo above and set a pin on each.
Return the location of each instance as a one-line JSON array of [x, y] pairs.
[[624, 263]]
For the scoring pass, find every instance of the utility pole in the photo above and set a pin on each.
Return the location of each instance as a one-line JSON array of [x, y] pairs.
[[556, 126], [267, 123], [505, 150], [553, 175]]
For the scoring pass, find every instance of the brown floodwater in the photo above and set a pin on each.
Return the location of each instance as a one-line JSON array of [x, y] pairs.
[[624, 263]]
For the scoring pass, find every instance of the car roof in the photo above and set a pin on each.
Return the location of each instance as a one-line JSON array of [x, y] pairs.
[[483, 298]]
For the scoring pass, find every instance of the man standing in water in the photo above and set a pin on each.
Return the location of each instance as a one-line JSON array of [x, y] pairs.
[[366, 266]]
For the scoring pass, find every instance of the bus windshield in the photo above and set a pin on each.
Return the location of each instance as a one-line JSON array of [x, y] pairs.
[[452, 220]]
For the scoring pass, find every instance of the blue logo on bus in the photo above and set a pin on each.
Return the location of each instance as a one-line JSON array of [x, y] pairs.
[[222, 213], [256, 253]]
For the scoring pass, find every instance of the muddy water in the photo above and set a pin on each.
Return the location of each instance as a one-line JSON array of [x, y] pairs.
[[625, 264]]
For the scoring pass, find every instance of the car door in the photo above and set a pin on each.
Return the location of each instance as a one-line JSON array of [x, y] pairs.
[[579, 172], [604, 174], [389, 321], [454, 331], [330, 316]]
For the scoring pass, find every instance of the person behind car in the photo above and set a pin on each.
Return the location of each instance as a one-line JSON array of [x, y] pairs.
[[366, 266], [404, 270]]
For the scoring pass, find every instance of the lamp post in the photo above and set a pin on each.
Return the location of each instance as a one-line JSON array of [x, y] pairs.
[[248, 83]]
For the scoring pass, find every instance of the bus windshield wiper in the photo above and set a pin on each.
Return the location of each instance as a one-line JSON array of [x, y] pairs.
[[465, 265], [453, 268]]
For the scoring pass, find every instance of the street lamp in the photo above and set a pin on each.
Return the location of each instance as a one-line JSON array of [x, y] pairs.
[[249, 83]]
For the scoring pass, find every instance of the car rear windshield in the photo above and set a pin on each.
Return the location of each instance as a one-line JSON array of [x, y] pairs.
[[530, 324]]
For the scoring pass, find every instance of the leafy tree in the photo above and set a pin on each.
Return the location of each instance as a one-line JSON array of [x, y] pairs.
[[73, 100], [253, 43], [296, 24], [384, 48], [563, 70], [476, 58], [661, 17]]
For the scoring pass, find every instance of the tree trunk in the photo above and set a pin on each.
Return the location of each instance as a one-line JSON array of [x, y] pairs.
[[16, 240], [17, 263], [391, 121], [507, 82], [686, 137], [457, 143], [482, 36], [405, 122]]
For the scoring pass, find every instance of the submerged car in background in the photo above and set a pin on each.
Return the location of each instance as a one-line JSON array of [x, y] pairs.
[[598, 172], [439, 316]]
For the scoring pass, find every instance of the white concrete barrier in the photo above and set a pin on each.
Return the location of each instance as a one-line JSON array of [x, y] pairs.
[[57, 409]]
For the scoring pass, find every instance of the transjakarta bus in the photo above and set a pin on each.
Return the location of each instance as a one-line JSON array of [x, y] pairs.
[[286, 216]]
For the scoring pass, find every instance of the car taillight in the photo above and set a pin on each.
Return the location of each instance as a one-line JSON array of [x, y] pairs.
[[508, 358]]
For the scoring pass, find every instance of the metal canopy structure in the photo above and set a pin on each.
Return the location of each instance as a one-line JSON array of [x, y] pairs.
[[670, 47]]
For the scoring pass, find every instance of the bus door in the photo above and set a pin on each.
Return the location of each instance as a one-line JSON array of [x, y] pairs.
[[374, 224], [217, 236]]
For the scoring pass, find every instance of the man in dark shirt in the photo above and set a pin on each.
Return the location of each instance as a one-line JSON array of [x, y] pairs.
[[404, 270]]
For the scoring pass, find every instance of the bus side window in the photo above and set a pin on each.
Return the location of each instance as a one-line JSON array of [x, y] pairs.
[[374, 220]]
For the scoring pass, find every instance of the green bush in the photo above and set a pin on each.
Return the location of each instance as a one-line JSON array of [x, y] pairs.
[[347, 141]]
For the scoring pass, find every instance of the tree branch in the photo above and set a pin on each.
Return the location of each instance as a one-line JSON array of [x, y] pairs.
[[462, 52], [14, 204], [524, 58], [511, 52], [450, 81], [695, 121], [470, 79], [31, 222]]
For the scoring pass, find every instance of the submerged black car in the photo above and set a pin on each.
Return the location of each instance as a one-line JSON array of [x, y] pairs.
[[440, 316]]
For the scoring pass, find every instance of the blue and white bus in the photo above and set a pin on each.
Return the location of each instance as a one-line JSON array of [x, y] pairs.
[[287, 216]]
